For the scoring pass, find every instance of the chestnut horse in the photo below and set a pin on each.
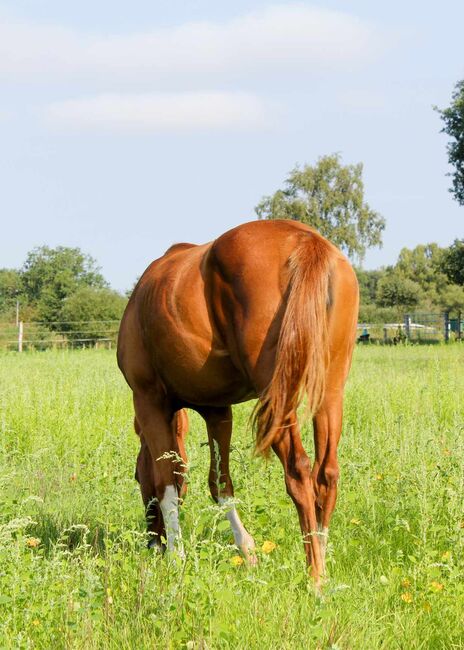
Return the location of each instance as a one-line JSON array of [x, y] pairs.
[[269, 311]]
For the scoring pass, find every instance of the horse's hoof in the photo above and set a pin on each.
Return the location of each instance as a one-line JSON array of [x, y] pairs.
[[154, 543]]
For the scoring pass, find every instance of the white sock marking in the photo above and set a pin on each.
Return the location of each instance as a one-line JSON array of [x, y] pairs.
[[169, 505], [242, 537], [323, 539]]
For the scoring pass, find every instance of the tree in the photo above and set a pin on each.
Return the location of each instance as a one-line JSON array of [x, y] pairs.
[[50, 275], [84, 308], [10, 288], [395, 290], [453, 262], [329, 197], [453, 117]]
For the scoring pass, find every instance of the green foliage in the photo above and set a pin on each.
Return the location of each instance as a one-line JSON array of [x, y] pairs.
[[453, 262], [330, 197], [453, 117], [92, 304], [10, 288], [75, 572], [50, 275], [395, 290]]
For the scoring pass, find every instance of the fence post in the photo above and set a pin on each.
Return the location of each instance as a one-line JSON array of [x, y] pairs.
[[407, 326], [20, 336], [385, 335], [446, 325], [459, 325]]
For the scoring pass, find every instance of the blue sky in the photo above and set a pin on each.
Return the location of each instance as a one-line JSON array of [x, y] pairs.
[[125, 127]]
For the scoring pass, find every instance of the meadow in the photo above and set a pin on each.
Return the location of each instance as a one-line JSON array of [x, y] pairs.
[[75, 571]]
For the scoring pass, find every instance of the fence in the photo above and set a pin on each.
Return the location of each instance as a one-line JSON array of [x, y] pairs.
[[59, 334], [416, 328]]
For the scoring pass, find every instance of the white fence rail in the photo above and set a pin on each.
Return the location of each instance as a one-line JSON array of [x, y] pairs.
[[61, 334]]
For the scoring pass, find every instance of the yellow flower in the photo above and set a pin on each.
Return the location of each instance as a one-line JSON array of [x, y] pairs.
[[355, 521], [379, 477], [268, 546], [236, 560], [35, 622], [446, 555], [436, 586], [406, 597], [33, 542], [405, 583]]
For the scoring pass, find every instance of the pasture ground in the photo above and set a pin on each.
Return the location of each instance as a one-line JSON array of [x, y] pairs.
[[74, 570]]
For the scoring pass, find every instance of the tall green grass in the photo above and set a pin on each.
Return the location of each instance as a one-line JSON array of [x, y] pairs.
[[74, 570]]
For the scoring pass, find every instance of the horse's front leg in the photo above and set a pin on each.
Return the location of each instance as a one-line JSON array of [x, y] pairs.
[[219, 424], [300, 487]]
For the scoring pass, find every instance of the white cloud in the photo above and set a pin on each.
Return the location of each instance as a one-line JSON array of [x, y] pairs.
[[276, 42], [161, 112]]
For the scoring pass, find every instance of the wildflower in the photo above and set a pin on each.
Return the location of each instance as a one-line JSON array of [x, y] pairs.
[[405, 583], [446, 556], [436, 586], [268, 546], [237, 560], [35, 622], [406, 597], [33, 542], [379, 477], [355, 521]]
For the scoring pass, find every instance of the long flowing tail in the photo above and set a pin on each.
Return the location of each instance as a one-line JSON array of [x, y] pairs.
[[302, 349]]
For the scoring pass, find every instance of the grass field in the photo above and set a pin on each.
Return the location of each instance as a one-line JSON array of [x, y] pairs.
[[74, 570]]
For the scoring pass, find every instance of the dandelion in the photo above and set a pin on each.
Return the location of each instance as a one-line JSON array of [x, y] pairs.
[[446, 556], [35, 622], [268, 546], [236, 560], [379, 477], [33, 542], [436, 586], [355, 521], [405, 583], [406, 597]]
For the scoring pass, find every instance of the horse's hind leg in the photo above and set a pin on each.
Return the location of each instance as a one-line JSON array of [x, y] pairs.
[[219, 426], [155, 418], [327, 429], [300, 487]]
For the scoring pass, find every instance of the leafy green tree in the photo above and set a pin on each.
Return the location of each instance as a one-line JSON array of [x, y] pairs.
[[453, 117], [83, 309], [330, 197], [453, 262], [424, 265], [10, 289], [368, 281], [452, 298], [50, 275], [395, 290]]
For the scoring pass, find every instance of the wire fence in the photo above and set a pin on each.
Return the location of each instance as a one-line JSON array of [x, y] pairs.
[[40, 335], [37, 335]]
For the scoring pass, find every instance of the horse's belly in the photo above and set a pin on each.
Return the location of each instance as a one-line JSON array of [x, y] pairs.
[[203, 379]]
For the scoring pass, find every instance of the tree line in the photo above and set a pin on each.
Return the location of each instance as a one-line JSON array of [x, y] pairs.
[[60, 286]]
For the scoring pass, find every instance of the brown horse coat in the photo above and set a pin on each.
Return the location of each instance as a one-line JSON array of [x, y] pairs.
[[267, 310]]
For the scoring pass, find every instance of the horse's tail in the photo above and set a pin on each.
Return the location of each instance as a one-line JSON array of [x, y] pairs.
[[302, 349]]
